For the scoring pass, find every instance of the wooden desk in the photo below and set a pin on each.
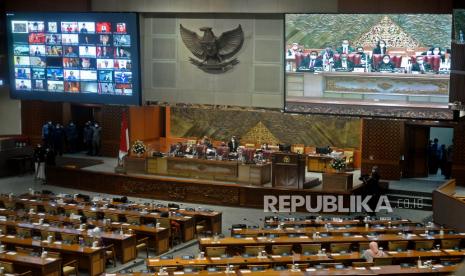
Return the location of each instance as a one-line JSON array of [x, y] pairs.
[[338, 182], [187, 222], [222, 170], [334, 230], [90, 259], [37, 265], [125, 245], [158, 237], [319, 163], [310, 222]]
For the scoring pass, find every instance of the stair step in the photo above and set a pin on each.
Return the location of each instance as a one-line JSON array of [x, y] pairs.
[[424, 200], [422, 207], [404, 192]]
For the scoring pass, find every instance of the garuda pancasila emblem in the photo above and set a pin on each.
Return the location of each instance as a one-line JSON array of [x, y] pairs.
[[214, 53]]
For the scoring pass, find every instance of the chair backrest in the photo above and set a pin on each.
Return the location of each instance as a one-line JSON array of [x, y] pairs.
[[281, 249], [311, 248], [7, 266], [69, 238], [23, 232], [356, 58], [112, 216], [253, 250], [362, 264], [396, 60], [449, 244], [164, 222], [340, 246], [90, 214], [376, 60], [362, 246], [382, 261], [215, 251], [423, 245], [133, 219], [396, 245], [24, 250], [44, 234]]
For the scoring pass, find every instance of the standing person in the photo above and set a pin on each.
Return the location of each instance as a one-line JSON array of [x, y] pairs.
[[71, 137], [58, 138], [373, 189], [449, 159], [39, 162], [96, 137], [442, 157], [433, 155], [87, 134], [381, 48], [47, 133]]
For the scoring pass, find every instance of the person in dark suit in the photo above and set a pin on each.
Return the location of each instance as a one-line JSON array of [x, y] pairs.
[[233, 144], [314, 61], [344, 63], [380, 48], [372, 188], [364, 58], [386, 65], [345, 47], [421, 66]]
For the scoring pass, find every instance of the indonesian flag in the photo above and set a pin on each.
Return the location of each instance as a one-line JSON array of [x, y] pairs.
[[124, 138]]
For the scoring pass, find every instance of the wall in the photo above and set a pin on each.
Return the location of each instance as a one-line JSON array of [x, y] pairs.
[[382, 145], [444, 135], [257, 80], [257, 126], [10, 114]]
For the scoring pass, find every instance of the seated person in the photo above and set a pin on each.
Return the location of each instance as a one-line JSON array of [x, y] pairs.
[[380, 48], [311, 61], [372, 252], [386, 65], [177, 150], [345, 48], [344, 64], [206, 142], [364, 58], [327, 55], [421, 66]]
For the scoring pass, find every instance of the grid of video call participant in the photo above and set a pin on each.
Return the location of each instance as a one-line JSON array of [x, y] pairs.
[[73, 57]]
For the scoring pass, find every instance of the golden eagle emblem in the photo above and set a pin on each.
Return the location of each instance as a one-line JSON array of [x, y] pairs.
[[212, 51]]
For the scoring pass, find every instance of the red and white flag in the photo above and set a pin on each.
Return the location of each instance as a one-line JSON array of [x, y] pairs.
[[124, 138]]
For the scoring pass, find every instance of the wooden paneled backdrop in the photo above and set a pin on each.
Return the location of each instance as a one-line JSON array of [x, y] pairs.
[[382, 145]]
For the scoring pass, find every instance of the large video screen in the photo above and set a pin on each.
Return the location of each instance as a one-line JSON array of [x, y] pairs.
[[75, 57], [364, 58]]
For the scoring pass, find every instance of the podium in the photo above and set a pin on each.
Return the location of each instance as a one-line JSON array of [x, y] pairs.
[[288, 170]]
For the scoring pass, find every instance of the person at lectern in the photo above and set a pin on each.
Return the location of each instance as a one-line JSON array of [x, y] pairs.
[[344, 64], [233, 144], [386, 65], [421, 66], [372, 188]]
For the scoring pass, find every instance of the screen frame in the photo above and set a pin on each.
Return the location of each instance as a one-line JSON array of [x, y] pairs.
[[84, 98], [330, 101]]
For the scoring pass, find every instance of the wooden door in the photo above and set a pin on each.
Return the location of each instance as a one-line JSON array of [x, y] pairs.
[[416, 151]]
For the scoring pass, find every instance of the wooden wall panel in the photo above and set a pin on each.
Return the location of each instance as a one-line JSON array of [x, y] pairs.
[[458, 167], [382, 145], [146, 124], [34, 114], [111, 127]]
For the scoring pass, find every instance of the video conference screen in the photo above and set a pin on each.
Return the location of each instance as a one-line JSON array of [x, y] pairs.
[[74, 57], [368, 57]]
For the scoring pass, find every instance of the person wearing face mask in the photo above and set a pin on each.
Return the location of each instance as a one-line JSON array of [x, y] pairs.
[[314, 61], [421, 66], [364, 58], [386, 65], [344, 63], [380, 48], [96, 137], [345, 48], [327, 55], [435, 51]]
